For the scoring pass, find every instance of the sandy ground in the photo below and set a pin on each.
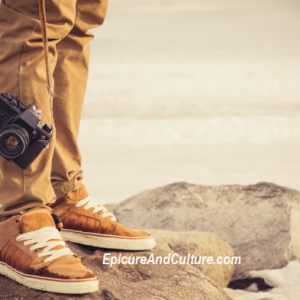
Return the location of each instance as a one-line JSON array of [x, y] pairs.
[[137, 155], [201, 92]]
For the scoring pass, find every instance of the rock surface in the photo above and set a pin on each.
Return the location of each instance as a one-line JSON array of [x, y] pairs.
[[129, 282], [260, 222], [200, 244]]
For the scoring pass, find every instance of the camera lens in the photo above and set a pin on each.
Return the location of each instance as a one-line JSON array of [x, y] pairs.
[[13, 141]]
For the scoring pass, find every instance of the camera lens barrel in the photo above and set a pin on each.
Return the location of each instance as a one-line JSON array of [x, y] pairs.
[[13, 141]]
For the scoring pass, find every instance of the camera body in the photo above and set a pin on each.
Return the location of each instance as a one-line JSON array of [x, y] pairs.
[[22, 135]]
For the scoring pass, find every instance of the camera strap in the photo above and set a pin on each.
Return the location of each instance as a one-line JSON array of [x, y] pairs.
[[42, 12]]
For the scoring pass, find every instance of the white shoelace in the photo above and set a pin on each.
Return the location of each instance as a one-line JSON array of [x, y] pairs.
[[97, 207], [42, 238]]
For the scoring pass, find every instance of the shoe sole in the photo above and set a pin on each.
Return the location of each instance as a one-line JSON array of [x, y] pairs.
[[108, 241], [54, 285]]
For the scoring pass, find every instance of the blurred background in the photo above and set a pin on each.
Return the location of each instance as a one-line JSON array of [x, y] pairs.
[[206, 92]]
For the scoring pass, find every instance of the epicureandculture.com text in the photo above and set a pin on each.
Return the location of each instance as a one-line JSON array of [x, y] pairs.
[[174, 259]]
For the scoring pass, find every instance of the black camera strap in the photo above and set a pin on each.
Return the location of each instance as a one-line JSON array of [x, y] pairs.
[[42, 12]]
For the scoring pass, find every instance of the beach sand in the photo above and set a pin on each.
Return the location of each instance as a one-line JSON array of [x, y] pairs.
[[201, 92]]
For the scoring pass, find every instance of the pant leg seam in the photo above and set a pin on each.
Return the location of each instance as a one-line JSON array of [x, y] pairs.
[[23, 175]]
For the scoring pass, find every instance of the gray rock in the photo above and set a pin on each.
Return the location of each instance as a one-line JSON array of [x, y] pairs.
[[260, 222], [199, 244]]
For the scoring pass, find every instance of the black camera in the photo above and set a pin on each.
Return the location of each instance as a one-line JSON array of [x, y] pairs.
[[22, 136]]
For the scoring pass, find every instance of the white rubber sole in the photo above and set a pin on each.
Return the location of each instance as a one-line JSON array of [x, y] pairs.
[[108, 241], [55, 285]]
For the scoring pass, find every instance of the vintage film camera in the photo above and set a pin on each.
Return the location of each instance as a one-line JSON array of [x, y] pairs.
[[22, 136]]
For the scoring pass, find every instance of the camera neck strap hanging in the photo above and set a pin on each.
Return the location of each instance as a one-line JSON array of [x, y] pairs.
[[42, 12]]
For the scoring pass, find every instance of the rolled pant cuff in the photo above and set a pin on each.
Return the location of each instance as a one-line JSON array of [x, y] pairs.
[[61, 188], [45, 209]]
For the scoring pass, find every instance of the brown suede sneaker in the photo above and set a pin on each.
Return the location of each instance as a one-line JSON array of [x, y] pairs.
[[87, 222], [33, 253]]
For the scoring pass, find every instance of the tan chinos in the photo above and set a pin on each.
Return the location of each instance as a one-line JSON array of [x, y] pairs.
[[22, 73]]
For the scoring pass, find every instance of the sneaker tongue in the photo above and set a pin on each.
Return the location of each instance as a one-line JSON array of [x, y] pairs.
[[36, 220], [83, 192]]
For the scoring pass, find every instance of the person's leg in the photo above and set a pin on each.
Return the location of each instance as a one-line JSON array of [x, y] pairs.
[[32, 251], [70, 76], [22, 74], [85, 221]]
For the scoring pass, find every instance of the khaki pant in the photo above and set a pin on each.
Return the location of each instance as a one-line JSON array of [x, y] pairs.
[[22, 73]]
